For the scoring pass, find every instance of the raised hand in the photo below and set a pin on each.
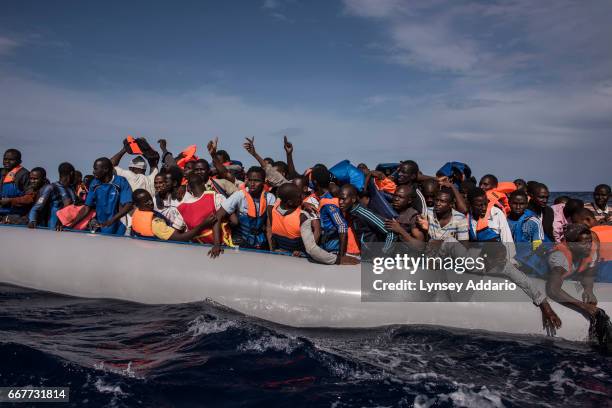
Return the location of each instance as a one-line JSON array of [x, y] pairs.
[[162, 144], [249, 145], [212, 146], [287, 145]]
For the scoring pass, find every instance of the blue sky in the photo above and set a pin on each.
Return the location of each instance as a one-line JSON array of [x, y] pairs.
[[516, 88]]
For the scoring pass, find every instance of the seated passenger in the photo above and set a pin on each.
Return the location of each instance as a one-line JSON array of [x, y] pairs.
[[22, 204], [445, 222], [285, 219], [599, 205], [200, 205], [111, 197], [146, 222], [165, 201], [13, 182], [53, 197], [410, 225], [251, 205], [562, 213], [538, 203], [487, 222], [366, 226]]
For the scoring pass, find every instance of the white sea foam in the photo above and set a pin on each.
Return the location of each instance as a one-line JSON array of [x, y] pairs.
[[201, 326]]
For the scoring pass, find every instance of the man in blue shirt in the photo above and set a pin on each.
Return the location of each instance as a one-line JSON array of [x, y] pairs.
[[53, 197], [110, 195]]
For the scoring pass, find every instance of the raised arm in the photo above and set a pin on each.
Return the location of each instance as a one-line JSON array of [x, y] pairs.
[[289, 150], [167, 158], [222, 171], [118, 156], [249, 146]]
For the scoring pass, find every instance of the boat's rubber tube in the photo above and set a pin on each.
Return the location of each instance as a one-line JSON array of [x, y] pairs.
[[281, 289]]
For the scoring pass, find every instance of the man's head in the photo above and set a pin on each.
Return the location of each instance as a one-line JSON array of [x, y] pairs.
[[269, 160], [539, 194], [443, 201], [12, 159], [161, 185], [320, 177], [174, 177], [223, 156], [518, 202], [429, 191], [520, 184], [290, 196], [138, 165], [488, 182], [201, 168], [407, 172], [38, 177], [478, 202], [103, 168], [349, 196], [281, 167], [601, 195], [66, 173], [579, 238], [255, 180], [197, 184], [302, 183], [403, 197], [363, 167], [585, 217], [188, 168], [571, 206], [78, 177], [143, 200], [563, 199]]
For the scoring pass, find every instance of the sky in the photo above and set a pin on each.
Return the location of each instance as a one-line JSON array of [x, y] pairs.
[[515, 88]]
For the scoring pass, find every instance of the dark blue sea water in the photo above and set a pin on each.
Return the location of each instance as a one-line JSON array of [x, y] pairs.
[[120, 354]]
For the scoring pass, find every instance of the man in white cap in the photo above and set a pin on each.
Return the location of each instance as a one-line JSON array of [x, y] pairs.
[[136, 172]]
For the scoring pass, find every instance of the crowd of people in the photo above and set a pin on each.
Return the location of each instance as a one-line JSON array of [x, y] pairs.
[[329, 215]]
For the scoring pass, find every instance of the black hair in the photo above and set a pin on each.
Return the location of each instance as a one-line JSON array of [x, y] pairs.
[[176, 173], [489, 176], [224, 155], [288, 191], [520, 180], [257, 169], [106, 161], [447, 190], [138, 192], [40, 170], [606, 186], [15, 152], [195, 180], [321, 176], [65, 169], [517, 193], [573, 231], [561, 199], [282, 166], [466, 186], [351, 189], [269, 159], [203, 161], [532, 186], [572, 206], [412, 165], [475, 193]]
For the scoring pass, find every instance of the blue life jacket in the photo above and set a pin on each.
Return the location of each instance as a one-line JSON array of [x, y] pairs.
[[252, 224], [345, 172], [12, 190], [530, 260]]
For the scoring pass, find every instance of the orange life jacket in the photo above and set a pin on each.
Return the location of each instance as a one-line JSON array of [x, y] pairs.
[[287, 225], [68, 214], [505, 187], [142, 222], [10, 176], [188, 155], [499, 199], [386, 185], [251, 209], [604, 234], [135, 149], [352, 247], [585, 263]]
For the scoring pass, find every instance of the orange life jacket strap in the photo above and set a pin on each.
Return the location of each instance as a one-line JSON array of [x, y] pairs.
[[10, 176]]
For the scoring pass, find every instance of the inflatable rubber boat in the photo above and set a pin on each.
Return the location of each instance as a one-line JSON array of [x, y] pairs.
[[282, 289]]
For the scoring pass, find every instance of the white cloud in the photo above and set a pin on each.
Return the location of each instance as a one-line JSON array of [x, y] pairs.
[[271, 4]]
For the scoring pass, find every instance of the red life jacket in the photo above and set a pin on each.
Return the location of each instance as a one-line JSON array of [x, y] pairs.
[[195, 212]]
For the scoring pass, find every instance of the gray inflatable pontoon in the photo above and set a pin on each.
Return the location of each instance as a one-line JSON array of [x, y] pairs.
[[282, 289]]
